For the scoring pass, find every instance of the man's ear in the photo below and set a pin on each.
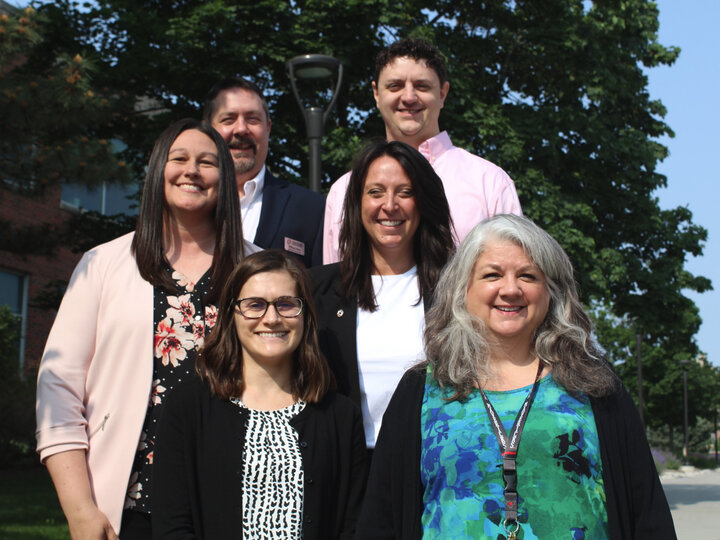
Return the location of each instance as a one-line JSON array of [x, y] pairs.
[[375, 91], [444, 89]]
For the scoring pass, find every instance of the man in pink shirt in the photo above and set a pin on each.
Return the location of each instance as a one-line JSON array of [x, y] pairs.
[[410, 88]]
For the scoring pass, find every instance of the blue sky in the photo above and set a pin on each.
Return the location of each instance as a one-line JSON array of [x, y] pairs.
[[689, 91]]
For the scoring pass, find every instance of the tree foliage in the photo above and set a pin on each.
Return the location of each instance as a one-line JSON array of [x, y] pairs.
[[555, 92], [55, 122]]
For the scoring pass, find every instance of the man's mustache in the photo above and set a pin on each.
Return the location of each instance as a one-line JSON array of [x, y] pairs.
[[238, 143]]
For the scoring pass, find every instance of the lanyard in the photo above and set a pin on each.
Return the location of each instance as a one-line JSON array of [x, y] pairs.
[[509, 448]]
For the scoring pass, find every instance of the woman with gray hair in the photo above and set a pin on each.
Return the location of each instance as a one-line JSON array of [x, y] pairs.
[[514, 426]]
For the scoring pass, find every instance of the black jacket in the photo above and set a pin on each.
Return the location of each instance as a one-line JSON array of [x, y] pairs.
[[291, 212], [635, 501], [197, 489], [337, 332]]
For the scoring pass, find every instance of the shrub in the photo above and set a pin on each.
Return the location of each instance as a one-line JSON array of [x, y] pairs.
[[665, 460], [17, 398], [702, 461]]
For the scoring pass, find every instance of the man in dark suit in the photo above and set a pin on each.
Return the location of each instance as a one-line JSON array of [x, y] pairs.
[[275, 213]]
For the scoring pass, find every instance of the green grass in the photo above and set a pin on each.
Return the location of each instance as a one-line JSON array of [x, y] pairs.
[[29, 509]]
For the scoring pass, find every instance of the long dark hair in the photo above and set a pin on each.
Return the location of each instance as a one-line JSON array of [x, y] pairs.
[[433, 241], [220, 361], [147, 245]]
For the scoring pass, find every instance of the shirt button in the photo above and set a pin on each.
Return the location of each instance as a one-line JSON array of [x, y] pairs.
[[308, 520], [198, 317], [303, 444], [310, 480]]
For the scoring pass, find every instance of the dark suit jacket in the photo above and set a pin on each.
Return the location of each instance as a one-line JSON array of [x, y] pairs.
[[197, 482], [337, 332], [292, 212]]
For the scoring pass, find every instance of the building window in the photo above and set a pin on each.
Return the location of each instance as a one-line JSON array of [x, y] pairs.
[[14, 293], [108, 199]]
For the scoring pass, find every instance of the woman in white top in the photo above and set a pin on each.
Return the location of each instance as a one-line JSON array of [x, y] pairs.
[[395, 238]]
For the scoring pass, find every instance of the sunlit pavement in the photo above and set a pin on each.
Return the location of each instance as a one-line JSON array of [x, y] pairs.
[[694, 498]]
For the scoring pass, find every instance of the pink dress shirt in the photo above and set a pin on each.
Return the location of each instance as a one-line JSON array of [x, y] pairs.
[[475, 189]]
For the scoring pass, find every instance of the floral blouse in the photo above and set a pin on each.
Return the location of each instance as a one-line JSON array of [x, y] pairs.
[[181, 322], [559, 469]]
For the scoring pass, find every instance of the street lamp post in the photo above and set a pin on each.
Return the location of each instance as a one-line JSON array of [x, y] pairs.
[[314, 67], [638, 342], [684, 364], [716, 435]]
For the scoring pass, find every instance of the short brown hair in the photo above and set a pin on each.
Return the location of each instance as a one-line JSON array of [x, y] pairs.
[[220, 360], [231, 83], [415, 48]]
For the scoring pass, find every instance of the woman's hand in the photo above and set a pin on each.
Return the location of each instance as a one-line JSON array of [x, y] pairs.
[[72, 483], [90, 524]]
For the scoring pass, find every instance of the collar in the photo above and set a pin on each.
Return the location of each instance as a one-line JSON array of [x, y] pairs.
[[435, 146], [254, 187]]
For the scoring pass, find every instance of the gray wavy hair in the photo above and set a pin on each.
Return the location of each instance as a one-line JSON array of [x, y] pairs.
[[455, 340]]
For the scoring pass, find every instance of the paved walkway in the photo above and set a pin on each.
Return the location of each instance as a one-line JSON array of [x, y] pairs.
[[694, 498]]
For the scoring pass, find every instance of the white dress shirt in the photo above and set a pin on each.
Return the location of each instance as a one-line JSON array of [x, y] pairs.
[[251, 205]]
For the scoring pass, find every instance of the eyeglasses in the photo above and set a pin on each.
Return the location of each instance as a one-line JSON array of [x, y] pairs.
[[255, 308]]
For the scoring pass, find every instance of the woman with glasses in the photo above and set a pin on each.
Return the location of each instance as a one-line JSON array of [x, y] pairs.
[[260, 446], [395, 237]]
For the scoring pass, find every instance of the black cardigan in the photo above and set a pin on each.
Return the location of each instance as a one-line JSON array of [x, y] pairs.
[[635, 501], [197, 489]]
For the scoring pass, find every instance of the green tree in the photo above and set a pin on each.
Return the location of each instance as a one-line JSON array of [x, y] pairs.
[[555, 92], [56, 122], [662, 377]]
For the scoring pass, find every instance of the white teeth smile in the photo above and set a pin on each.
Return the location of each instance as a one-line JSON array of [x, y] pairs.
[[389, 223], [190, 187], [509, 309], [272, 334]]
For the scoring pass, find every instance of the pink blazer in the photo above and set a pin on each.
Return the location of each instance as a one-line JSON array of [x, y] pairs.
[[96, 372]]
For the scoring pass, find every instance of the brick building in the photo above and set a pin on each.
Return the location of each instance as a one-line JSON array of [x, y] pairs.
[[22, 277]]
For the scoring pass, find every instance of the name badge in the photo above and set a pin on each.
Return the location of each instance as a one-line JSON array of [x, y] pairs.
[[295, 246]]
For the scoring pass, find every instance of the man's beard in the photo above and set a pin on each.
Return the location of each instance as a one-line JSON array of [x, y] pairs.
[[243, 164]]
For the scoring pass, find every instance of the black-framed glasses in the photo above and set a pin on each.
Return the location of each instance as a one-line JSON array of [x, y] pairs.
[[255, 308]]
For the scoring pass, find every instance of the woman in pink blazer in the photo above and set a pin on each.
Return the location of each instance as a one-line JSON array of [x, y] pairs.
[[134, 314]]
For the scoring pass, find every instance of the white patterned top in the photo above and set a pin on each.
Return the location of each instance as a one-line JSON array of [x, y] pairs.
[[272, 483]]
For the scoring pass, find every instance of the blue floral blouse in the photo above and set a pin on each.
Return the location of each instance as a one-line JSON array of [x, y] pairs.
[[559, 470]]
